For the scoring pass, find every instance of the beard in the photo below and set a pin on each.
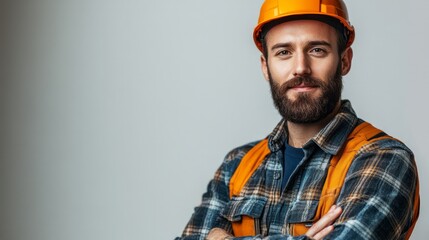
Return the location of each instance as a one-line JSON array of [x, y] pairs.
[[305, 108]]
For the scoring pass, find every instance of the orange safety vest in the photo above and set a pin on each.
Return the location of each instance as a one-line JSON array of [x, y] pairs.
[[363, 134]]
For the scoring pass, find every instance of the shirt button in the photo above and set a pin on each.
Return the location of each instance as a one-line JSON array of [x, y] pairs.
[[277, 175]]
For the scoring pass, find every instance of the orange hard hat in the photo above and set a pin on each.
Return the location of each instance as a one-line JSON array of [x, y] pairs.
[[277, 9]]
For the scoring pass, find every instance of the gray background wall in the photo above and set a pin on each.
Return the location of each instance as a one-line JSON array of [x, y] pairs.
[[115, 114]]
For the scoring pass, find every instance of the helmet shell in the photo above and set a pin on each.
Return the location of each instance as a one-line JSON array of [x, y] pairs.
[[276, 9]]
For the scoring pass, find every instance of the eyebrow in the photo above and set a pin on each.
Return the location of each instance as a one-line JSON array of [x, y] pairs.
[[308, 44]]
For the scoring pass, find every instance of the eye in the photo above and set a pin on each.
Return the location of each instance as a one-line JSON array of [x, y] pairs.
[[318, 51], [283, 53]]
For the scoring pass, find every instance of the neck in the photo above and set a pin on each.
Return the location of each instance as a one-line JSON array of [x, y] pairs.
[[301, 133]]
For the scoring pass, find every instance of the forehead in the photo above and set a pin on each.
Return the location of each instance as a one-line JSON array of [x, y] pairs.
[[301, 31]]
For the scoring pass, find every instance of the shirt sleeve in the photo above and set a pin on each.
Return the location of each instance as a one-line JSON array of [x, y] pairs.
[[378, 194], [206, 216]]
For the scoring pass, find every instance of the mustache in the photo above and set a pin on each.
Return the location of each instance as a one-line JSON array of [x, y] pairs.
[[306, 81]]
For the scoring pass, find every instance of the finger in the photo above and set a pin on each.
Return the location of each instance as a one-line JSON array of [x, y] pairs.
[[217, 233], [325, 221], [319, 225], [322, 234]]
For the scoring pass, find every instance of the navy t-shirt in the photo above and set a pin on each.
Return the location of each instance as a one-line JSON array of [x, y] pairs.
[[292, 157]]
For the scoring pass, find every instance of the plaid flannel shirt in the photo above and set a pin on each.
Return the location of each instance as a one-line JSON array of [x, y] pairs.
[[376, 198]]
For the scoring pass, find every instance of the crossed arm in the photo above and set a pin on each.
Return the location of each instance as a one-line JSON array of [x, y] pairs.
[[376, 203], [318, 231]]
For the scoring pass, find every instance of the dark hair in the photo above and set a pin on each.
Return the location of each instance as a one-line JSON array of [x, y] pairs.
[[342, 32]]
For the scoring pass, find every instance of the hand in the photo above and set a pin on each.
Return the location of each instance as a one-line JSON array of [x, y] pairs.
[[323, 227], [217, 234]]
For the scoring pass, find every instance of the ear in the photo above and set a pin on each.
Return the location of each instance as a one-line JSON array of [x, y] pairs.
[[264, 67], [346, 61]]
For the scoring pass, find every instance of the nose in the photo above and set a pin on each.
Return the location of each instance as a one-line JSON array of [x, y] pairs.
[[302, 65]]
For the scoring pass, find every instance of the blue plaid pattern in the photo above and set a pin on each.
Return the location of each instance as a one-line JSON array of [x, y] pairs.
[[376, 198]]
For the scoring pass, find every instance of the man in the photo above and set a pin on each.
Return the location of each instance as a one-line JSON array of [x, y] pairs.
[[288, 193]]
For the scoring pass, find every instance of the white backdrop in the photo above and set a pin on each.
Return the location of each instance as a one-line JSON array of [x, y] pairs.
[[115, 114]]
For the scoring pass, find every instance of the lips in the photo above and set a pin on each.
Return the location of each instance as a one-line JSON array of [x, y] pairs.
[[302, 85]]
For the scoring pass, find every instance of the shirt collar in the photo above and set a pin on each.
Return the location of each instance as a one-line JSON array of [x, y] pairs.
[[330, 139]]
